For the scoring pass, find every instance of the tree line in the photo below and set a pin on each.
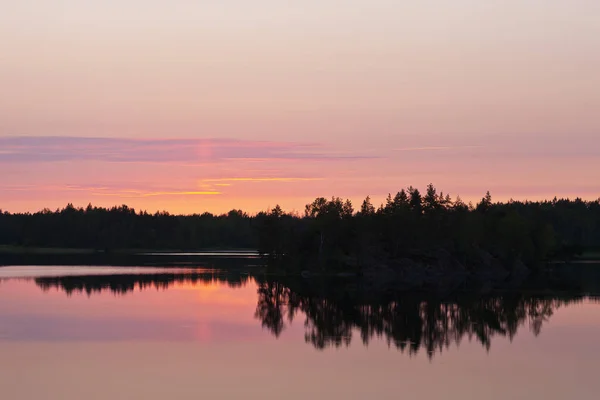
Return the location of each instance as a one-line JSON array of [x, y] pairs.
[[122, 227], [332, 232], [411, 225]]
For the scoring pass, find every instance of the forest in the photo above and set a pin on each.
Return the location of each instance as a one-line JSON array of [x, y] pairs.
[[123, 227], [332, 234], [429, 228]]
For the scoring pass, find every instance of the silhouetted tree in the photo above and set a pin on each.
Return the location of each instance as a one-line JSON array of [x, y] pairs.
[[330, 234]]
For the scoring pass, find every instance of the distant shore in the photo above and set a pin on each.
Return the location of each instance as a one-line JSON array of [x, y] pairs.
[[6, 249], [208, 258]]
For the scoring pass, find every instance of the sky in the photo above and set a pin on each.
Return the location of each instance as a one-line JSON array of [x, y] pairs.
[[193, 106]]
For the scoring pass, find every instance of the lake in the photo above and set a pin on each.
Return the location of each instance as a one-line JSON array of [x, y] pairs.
[[70, 332]]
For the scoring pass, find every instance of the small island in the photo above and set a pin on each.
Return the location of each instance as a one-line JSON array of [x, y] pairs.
[[430, 240]]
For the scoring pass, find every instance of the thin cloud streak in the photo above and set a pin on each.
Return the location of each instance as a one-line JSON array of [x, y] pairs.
[[29, 149], [205, 193], [434, 148], [111, 191], [261, 180]]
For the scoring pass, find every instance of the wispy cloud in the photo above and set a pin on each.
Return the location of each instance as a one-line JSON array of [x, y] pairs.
[[436, 148], [112, 191], [181, 151], [262, 179], [201, 193]]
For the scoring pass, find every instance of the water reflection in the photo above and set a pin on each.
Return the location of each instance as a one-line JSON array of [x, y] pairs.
[[124, 283], [407, 322], [335, 312]]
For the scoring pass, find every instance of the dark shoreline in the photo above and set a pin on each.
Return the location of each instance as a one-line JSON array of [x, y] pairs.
[[116, 259], [439, 280]]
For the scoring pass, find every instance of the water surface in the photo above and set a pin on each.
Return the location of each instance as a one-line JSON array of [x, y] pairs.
[[89, 333]]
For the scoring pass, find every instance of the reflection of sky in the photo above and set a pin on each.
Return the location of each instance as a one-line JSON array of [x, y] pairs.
[[205, 312], [7, 272], [348, 98], [203, 341]]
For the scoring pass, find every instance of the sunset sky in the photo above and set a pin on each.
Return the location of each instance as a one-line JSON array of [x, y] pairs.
[[192, 106]]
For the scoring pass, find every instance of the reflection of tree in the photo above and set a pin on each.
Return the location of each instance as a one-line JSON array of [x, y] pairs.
[[125, 283], [335, 311], [408, 322], [272, 298]]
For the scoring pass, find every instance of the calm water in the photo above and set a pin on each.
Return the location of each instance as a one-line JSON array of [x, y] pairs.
[[228, 254], [131, 333]]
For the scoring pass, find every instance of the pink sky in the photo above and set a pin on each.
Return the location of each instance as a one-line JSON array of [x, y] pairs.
[[207, 106]]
